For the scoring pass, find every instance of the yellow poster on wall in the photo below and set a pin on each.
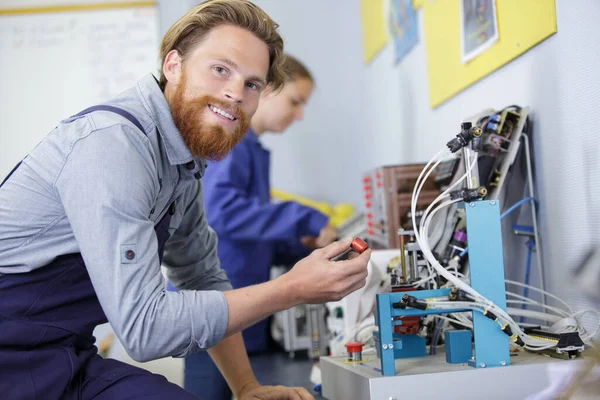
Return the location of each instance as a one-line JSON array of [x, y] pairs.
[[521, 25], [374, 28]]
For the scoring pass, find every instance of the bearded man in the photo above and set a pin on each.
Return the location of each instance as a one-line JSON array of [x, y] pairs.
[[114, 192]]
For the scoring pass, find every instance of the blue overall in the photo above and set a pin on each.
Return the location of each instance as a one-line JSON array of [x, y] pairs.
[[47, 350], [254, 234]]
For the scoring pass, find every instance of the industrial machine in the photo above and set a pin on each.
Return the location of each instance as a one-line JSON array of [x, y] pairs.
[[448, 291], [387, 192]]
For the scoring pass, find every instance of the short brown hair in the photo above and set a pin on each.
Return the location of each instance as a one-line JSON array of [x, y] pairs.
[[190, 29], [294, 69]]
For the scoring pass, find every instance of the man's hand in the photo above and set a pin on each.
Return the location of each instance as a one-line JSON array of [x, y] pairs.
[[316, 279], [257, 392], [327, 235]]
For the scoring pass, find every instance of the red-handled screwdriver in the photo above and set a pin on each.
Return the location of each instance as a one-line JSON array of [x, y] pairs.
[[358, 245]]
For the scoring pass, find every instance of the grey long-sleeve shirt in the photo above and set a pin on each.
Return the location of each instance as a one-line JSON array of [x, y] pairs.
[[97, 185]]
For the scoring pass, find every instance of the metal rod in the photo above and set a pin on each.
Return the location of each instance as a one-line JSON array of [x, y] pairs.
[[415, 265], [467, 162], [472, 170], [403, 258], [538, 245]]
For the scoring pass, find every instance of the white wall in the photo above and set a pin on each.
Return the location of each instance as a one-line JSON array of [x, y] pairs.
[[322, 156]]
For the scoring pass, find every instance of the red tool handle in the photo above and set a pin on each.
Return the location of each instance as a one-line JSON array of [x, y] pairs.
[[357, 245]]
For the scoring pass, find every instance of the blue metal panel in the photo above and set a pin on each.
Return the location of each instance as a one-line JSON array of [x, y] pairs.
[[487, 277], [458, 346], [409, 346], [384, 337], [486, 265], [384, 307]]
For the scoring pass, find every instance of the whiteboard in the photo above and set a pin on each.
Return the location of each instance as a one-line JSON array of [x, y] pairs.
[[53, 65]]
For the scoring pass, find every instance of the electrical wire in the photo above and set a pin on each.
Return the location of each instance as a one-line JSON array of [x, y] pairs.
[[478, 302], [421, 238], [511, 282]]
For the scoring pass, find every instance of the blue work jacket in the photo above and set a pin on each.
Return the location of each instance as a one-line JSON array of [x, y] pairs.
[[253, 232]]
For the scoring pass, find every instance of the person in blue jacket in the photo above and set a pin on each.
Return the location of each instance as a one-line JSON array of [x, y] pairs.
[[253, 232]]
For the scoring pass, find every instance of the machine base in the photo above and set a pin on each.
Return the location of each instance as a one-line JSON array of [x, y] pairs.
[[432, 378]]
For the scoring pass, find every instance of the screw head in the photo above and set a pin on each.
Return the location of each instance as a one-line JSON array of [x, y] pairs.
[[482, 365], [385, 346], [503, 363], [472, 204], [391, 346], [493, 202]]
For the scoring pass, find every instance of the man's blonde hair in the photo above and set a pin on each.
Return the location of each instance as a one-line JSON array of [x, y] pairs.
[[190, 29]]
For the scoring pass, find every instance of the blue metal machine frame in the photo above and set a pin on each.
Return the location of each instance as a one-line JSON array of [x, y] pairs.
[[486, 266]]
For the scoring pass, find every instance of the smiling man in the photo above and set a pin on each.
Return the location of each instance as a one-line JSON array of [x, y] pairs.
[[89, 216]]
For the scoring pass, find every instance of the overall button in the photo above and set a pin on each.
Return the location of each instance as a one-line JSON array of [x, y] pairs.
[[130, 254], [190, 165]]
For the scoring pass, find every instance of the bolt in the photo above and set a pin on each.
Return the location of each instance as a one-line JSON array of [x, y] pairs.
[[385, 346], [472, 204], [503, 363], [493, 202], [482, 365], [391, 346]]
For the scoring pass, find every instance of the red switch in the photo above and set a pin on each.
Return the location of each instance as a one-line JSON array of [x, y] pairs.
[[354, 350]]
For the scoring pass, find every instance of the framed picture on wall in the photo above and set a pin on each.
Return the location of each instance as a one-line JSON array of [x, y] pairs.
[[478, 27]]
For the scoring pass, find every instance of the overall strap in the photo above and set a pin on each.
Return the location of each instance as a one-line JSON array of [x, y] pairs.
[[100, 107], [116, 110]]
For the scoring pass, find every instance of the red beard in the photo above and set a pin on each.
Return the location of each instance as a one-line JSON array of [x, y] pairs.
[[210, 142]]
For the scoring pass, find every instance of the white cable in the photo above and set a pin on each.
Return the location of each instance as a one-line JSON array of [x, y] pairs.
[[417, 183], [528, 303], [456, 321], [538, 304], [440, 197], [540, 291], [419, 236], [532, 314], [426, 251], [426, 219], [582, 330], [480, 303]]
